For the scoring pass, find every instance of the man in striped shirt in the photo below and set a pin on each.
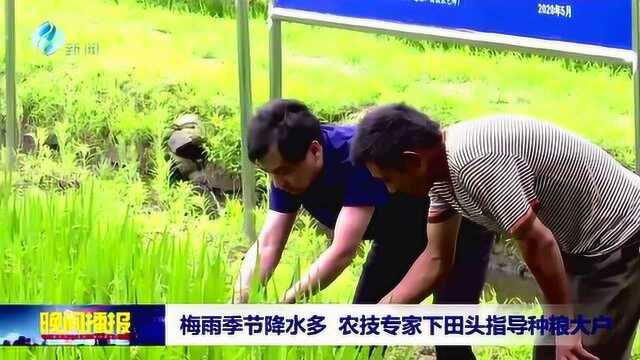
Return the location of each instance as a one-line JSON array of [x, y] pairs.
[[574, 210]]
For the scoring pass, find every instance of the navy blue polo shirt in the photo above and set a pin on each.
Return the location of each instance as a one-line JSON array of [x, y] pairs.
[[340, 182]]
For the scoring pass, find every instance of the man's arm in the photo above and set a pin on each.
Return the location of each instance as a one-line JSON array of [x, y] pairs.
[[350, 227], [431, 266], [542, 255], [270, 245]]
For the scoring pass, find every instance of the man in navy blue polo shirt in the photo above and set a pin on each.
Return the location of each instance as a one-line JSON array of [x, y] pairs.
[[310, 166]]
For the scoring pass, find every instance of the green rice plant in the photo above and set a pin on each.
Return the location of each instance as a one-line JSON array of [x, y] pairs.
[[218, 8], [115, 94], [95, 246]]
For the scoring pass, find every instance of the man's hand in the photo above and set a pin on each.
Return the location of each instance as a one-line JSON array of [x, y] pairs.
[[289, 297], [241, 296], [265, 253], [388, 299], [569, 347]]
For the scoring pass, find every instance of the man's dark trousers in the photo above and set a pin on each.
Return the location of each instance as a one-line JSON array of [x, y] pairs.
[[605, 285]]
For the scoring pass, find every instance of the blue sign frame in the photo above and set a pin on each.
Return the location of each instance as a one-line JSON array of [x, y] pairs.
[[575, 21], [602, 31]]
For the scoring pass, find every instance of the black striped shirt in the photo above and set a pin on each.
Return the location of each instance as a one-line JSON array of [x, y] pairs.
[[502, 166]]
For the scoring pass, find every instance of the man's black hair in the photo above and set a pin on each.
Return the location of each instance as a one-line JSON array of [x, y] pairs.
[[287, 123], [387, 131]]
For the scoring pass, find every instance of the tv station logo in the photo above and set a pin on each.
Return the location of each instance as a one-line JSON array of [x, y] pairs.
[[47, 38], [94, 327]]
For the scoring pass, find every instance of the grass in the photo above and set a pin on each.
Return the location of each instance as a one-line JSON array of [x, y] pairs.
[[216, 8], [62, 214], [116, 96], [114, 252]]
